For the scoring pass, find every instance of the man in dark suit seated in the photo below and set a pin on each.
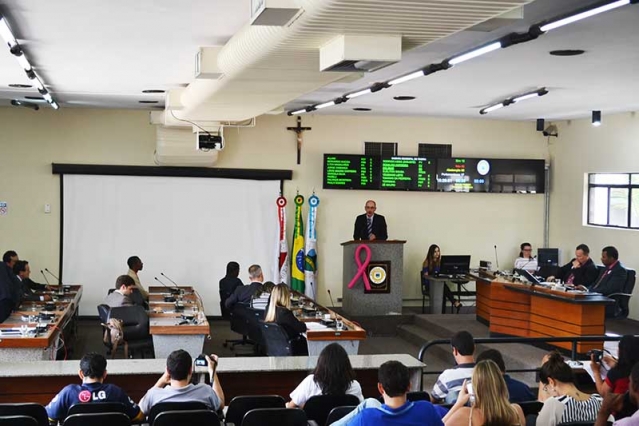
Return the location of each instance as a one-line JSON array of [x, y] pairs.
[[245, 293], [10, 286], [581, 270], [29, 287], [370, 226], [613, 278], [228, 284]]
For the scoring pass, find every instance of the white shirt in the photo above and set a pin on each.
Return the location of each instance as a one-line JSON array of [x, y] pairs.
[[528, 264], [309, 388]]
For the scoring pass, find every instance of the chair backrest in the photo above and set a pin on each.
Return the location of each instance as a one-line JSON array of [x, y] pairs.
[[338, 413], [531, 407], [275, 340], [425, 283], [97, 407], [30, 409], [240, 405], [254, 316], [18, 421], [239, 319], [136, 321], [318, 407], [628, 288], [103, 313], [187, 418], [174, 406], [97, 419], [418, 396], [275, 417]]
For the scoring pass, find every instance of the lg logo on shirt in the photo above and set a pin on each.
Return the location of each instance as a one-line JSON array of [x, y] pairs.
[[86, 396]]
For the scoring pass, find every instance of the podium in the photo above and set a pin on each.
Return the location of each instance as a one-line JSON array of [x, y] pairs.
[[385, 272]]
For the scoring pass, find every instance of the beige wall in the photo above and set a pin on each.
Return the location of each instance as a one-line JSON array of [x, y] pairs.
[[459, 223], [581, 149]]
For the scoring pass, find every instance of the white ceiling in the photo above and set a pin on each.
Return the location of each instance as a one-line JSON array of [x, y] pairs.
[[95, 53]]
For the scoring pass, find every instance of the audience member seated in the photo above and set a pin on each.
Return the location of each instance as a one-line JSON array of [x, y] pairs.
[[262, 296], [617, 379], [581, 270], [228, 284], [333, 375], [612, 279], [175, 384], [93, 389], [563, 402], [245, 293], [22, 270], [526, 261], [393, 384], [124, 286], [10, 287], [517, 391], [430, 266], [279, 312], [489, 403], [449, 383], [624, 406], [135, 266]]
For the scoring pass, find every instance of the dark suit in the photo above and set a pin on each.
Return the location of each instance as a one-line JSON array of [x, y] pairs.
[[293, 328], [585, 275], [379, 227], [6, 293], [28, 290], [11, 283], [242, 294], [611, 280]]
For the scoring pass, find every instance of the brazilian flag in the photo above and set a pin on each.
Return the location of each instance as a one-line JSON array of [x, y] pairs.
[[298, 257]]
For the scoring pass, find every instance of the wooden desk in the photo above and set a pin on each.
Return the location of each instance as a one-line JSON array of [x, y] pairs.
[[164, 322], [43, 346], [517, 309]]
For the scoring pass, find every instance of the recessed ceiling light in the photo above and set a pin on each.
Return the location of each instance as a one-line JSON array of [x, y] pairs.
[[34, 98], [362, 109], [153, 91], [404, 98], [20, 86], [148, 102], [567, 52]]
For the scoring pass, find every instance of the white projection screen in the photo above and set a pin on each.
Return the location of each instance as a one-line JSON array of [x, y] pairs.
[[188, 228]]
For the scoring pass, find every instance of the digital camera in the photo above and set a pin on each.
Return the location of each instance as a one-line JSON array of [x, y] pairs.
[[596, 355], [201, 361]]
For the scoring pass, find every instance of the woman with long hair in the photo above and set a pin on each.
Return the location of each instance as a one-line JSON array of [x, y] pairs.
[[279, 312], [618, 378], [430, 266], [563, 402], [490, 406], [333, 375]]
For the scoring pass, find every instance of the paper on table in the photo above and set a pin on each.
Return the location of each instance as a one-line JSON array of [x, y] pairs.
[[588, 369], [315, 326]]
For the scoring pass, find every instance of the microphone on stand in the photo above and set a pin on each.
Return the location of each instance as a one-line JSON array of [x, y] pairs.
[[171, 290], [329, 295], [174, 283], [45, 277], [496, 258], [50, 273]]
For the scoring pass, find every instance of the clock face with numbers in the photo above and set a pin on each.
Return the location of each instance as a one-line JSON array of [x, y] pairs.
[[483, 167]]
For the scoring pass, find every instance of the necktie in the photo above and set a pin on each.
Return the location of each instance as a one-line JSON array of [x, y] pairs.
[[369, 226]]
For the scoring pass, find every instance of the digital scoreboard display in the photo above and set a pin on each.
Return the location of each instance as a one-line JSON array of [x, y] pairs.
[[463, 175], [343, 171]]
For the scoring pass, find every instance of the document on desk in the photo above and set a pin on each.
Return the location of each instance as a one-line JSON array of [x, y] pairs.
[[311, 326]]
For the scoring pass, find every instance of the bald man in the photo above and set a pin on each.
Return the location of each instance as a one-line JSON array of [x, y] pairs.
[[370, 226]]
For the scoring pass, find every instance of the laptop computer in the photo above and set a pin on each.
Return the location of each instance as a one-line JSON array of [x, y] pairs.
[[454, 265]]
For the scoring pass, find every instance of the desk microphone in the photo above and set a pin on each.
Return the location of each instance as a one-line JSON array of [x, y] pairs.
[[59, 281], [171, 290], [496, 258], [329, 295], [45, 277], [174, 283]]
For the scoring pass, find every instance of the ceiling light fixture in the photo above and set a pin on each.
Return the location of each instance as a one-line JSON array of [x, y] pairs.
[[6, 34], [325, 105], [513, 100], [357, 94], [298, 112], [19, 103], [23, 61], [361, 109], [153, 91], [407, 77], [20, 86], [584, 14], [596, 118], [404, 98], [492, 108], [475, 53]]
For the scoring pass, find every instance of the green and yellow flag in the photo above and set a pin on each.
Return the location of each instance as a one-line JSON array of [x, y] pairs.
[[298, 257]]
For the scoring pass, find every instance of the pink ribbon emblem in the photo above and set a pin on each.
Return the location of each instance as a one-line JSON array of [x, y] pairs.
[[361, 267]]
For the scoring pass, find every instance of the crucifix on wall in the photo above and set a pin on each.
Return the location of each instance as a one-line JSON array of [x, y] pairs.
[[299, 130]]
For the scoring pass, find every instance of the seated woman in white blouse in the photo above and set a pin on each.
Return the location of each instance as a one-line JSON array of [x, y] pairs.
[[526, 261], [333, 375]]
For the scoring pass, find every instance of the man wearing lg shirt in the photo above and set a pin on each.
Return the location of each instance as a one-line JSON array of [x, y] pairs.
[[370, 226]]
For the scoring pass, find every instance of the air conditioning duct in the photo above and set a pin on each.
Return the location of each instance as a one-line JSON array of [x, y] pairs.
[[177, 147], [360, 53]]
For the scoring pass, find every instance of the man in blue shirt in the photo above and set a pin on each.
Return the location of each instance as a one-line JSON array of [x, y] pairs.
[[92, 372], [518, 391], [394, 384]]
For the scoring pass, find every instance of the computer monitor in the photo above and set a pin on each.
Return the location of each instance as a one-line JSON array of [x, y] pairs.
[[454, 265], [530, 277], [548, 256]]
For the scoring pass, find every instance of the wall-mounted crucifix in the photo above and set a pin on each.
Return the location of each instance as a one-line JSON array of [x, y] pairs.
[[299, 130]]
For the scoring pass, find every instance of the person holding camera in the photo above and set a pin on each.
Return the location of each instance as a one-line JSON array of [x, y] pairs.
[[624, 406], [617, 379], [175, 384], [563, 402], [489, 404]]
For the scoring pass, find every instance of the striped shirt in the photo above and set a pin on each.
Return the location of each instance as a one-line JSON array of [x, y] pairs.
[[451, 381], [565, 409]]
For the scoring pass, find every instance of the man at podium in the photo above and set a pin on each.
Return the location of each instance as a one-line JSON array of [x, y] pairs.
[[370, 226]]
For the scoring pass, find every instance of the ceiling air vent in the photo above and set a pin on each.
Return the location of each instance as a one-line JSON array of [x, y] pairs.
[[360, 53]]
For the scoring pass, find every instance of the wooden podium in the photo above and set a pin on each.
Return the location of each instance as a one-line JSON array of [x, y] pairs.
[[385, 272]]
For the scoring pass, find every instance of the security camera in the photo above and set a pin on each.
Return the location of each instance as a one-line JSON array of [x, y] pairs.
[[207, 141], [551, 131]]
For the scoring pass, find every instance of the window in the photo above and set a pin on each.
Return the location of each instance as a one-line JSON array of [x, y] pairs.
[[613, 200], [434, 150], [383, 149]]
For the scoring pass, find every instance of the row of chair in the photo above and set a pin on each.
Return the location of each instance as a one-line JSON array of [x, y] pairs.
[[267, 338]]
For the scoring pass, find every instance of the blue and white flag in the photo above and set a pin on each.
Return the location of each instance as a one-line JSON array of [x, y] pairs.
[[310, 262]]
